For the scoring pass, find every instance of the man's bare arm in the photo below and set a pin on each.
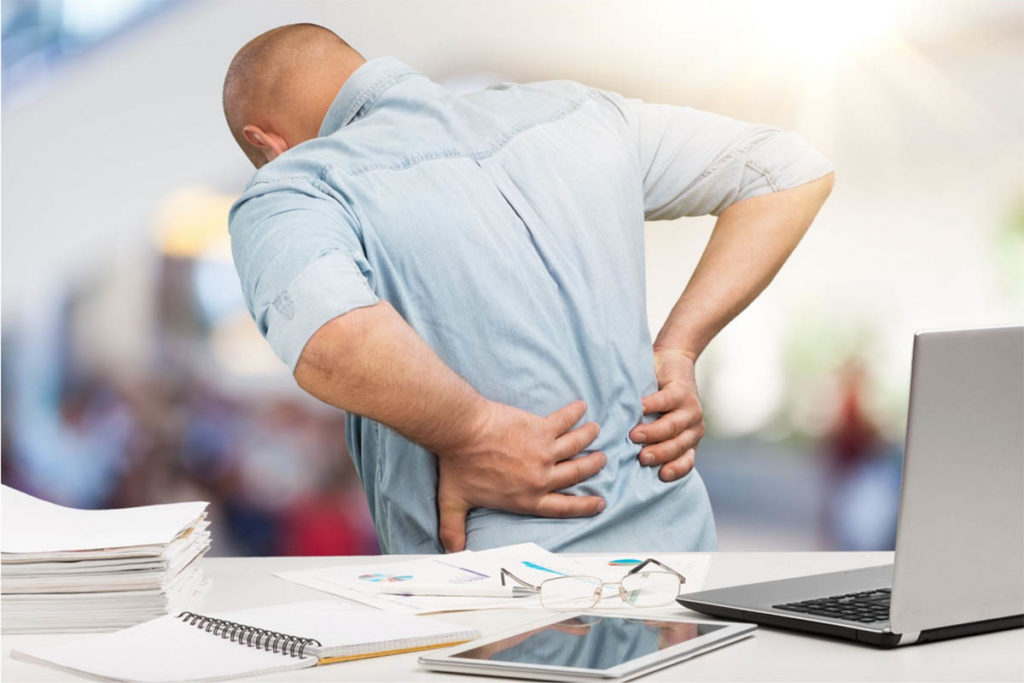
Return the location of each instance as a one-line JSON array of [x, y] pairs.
[[750, 242], [369, 361]]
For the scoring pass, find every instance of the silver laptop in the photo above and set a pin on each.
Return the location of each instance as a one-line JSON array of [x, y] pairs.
[[959, 564]]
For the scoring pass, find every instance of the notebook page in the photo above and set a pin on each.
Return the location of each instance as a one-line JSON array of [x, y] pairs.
[[348, 630], [165, 649], [31, 525]]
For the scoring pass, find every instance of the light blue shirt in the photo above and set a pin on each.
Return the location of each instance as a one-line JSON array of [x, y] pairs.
[[507, 228]]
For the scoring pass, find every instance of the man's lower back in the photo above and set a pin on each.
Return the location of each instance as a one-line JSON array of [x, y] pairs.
[[646, 515]]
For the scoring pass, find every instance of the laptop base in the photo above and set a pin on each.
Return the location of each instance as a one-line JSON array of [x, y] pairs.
[[883, 639]]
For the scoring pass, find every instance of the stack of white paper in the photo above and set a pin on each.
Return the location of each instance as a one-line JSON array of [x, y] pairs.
[[66, 570]]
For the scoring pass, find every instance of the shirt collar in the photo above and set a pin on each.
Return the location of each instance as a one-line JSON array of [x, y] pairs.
[[362, 89]]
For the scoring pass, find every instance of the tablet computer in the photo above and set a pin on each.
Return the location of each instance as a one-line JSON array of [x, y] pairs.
[[573, 647]]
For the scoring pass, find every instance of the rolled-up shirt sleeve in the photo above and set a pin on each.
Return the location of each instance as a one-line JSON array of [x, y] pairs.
[[696, 163], [299, 260]]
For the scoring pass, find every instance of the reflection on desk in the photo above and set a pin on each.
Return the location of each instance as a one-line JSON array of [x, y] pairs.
[[589, 642]]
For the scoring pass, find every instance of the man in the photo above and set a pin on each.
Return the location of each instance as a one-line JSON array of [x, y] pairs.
[[465, 277]]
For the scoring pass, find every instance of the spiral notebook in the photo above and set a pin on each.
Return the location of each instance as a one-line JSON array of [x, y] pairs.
[[195, 647]]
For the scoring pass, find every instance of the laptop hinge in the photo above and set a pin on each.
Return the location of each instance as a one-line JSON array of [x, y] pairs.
[[909, 638]]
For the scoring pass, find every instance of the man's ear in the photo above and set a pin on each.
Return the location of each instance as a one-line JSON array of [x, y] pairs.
[[271, 144]]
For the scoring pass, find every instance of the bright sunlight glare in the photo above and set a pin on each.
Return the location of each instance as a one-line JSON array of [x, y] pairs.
[[815, 34]]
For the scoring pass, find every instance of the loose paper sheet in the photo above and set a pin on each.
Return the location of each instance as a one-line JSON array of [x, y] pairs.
[[528, 561]]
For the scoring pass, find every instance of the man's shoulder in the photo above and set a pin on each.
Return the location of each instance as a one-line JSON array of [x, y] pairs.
[[534, 94], [294, 180], [535, 102], [503, 115], [297, 166]]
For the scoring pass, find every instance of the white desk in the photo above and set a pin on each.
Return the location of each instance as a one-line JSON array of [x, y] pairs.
[[771, 655]]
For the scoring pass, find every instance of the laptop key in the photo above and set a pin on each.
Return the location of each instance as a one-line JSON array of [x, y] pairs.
[[867, 606]]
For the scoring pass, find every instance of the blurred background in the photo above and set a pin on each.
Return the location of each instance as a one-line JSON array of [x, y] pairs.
[[134, 375]]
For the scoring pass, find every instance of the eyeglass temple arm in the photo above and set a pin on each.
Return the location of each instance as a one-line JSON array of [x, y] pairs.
[[651, 560], [523, 588]]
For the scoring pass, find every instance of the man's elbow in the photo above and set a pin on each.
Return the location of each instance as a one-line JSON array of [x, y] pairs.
[[828, 182], [320, 362], [325, 361], [821, 187], [314, 370], [817, 191]]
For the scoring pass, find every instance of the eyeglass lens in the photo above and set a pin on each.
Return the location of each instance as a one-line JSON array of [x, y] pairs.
[[570, 592], [650, 589], [643, 589]]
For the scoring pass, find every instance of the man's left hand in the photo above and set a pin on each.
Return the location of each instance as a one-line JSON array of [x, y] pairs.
[[671, 441]]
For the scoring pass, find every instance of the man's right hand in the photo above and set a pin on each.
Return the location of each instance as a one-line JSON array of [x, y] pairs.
[[369, 361], [516, 461]]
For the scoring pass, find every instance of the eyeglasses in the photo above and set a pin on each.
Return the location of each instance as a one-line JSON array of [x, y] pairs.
[[640, 587]]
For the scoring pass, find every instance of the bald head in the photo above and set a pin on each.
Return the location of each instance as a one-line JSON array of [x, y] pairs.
[[281, 83]]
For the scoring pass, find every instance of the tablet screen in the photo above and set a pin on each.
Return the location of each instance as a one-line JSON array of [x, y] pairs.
[[589, 642]]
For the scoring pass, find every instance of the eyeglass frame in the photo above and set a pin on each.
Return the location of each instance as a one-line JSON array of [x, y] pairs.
[[525, 589]]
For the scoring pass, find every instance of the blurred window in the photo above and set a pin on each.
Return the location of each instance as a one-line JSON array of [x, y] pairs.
[[39, 34]]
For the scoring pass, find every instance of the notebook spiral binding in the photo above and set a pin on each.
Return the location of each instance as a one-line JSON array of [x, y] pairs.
[[250, 636]]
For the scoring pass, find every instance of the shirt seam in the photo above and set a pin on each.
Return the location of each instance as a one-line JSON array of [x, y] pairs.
[[372, 93], [751, 162], [502, 141], [745, 150], [348, 263], [571, 107], [315, 181], [764, 173]]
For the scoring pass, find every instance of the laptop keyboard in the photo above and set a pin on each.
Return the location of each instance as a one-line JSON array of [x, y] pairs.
[[866, 607]]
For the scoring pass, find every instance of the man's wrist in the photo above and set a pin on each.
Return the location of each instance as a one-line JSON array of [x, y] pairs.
[[469, 429], [663, 350]]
